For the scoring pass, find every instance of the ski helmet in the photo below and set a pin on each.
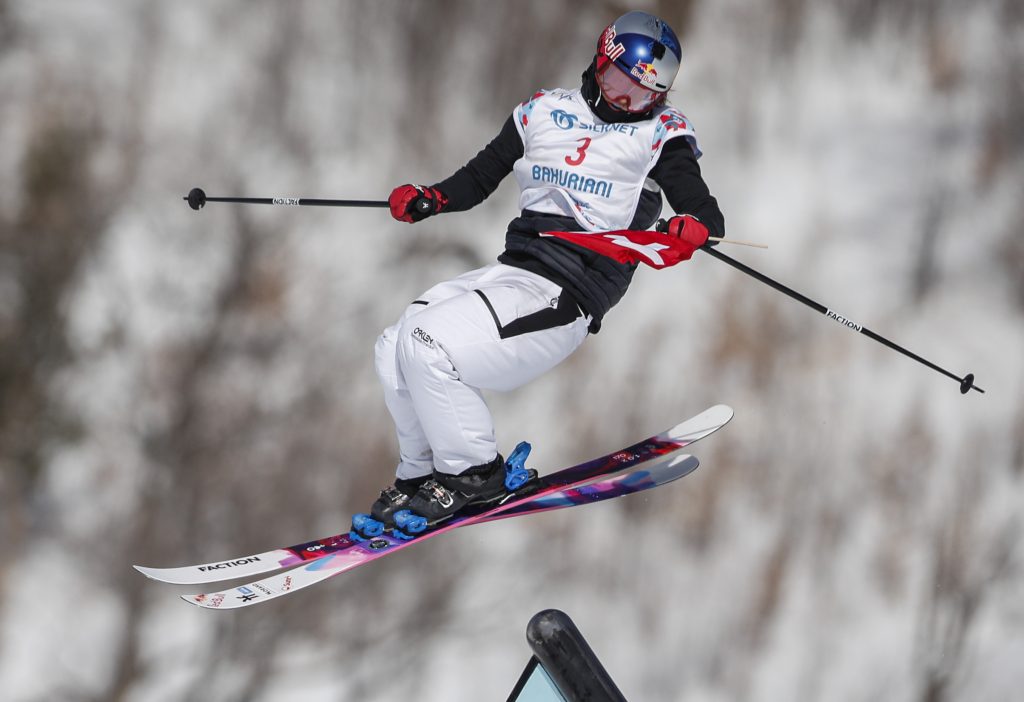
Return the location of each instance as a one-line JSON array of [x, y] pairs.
[[637, 59]]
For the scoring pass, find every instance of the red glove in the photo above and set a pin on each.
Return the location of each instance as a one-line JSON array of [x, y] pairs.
[[412, 203], [689, 229]]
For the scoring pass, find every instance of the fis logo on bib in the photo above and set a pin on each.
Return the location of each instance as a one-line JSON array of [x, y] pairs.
[[567, 120]]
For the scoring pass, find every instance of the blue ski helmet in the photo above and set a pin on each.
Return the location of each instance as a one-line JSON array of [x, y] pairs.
[[638, 57]]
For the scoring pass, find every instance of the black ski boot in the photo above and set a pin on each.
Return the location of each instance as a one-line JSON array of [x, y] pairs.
[[396, 497], [392, 499], [445, 494]]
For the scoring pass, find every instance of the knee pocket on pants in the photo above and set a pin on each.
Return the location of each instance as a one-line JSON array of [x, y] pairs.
[[417, 347]]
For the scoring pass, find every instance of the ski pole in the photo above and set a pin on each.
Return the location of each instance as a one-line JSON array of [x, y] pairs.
[[966, 382], [723, 240], [196, 198]]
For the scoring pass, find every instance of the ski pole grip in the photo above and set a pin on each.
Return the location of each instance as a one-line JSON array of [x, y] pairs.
[[424, 206], [661, 225]]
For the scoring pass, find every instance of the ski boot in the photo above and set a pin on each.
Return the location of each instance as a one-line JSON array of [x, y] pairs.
[[381, 517], [445, 495]]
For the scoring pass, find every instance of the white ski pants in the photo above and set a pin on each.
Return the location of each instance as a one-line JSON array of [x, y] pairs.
[[495, 328]]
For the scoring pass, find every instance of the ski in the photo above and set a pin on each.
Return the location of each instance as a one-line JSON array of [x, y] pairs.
[[662, 472], [290, 556], [327, 566]]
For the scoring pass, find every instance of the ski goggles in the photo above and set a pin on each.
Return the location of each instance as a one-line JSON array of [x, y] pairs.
[[622, 92]]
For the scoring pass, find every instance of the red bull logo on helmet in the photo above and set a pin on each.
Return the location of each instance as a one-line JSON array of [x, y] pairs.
[[611, 48], [645, 73]]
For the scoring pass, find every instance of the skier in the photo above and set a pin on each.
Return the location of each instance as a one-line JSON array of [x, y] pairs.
[[592, 159]]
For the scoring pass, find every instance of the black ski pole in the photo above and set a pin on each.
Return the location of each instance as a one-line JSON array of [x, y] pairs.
[[966, 382], [196, 198]]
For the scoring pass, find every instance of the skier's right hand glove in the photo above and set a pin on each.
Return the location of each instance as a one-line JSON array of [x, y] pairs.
[[688, 229], [412, 203]]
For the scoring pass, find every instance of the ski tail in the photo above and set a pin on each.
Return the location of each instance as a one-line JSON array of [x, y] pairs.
[[247, 566]]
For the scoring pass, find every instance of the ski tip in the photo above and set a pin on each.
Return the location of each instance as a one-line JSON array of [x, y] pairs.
[[716, 413], [677, 467], [724, 410], [148, 572], [707, 422], [691, 464]]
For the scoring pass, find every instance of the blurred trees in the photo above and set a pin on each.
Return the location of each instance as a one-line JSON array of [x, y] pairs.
[[44, 244]]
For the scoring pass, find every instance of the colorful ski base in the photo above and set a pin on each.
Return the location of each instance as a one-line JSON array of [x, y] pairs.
[[647, 451]]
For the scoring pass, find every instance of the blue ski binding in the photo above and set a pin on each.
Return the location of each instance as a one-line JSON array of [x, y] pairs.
[[516, 474], [366, 526], [409, 522]]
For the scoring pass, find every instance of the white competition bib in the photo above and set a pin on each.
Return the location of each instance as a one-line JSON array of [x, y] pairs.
[[575, 165]]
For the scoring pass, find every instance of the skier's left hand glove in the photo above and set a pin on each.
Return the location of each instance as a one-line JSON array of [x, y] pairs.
[[689, 229], [413, 203]]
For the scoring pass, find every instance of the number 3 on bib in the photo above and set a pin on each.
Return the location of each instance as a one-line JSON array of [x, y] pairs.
[[581, 153]]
